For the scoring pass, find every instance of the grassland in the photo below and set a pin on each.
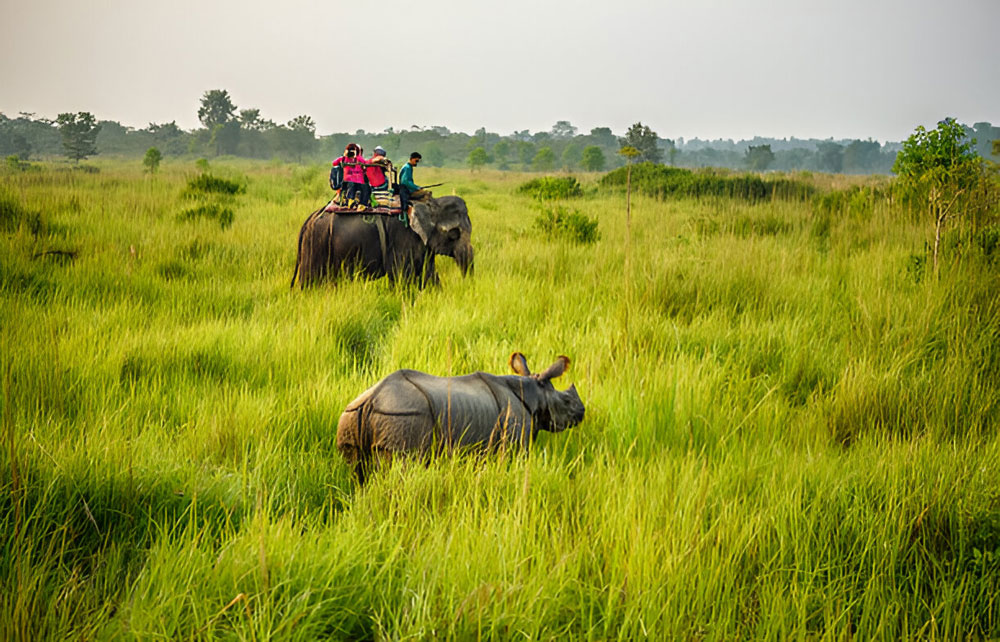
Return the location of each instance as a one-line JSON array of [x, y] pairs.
[[791, 423]]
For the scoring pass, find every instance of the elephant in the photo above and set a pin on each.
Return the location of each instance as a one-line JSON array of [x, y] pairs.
[[413, 412], [377, 245]]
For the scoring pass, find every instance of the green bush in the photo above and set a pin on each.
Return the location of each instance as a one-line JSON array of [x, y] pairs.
[[208, 184], [223, 215], [570, 224], [13, 215], [551, 187], [660, 181], [857, 201]]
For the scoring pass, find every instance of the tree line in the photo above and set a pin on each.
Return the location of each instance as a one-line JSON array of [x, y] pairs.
[[229, 130]]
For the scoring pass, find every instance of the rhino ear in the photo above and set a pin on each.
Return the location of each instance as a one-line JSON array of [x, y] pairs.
[[420, 221], [519, 364], [556, 369]]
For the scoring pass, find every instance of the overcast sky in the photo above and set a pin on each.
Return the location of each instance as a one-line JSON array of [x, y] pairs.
[[694, 68]]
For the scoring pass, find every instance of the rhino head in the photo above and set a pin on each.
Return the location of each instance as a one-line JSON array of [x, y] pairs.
[[553, 410]]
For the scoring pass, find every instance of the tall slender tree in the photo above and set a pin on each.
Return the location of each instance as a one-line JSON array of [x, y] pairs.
[[79, 134]]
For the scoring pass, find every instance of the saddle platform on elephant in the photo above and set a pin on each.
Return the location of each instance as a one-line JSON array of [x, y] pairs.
[[334, 208]]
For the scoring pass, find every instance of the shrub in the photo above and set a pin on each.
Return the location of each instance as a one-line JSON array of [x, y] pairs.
[[857, 201], [15, 164], [208, 184], [551, 187], [660, 181], [570, 224], [13, 215], [223, 215]]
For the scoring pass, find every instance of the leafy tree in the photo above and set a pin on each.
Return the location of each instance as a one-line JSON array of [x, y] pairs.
[[501, 151], [644, 140], [479, 139], [225, 137], [830, 157], [299, 136], [862, 157], [79, 134], [217, 108], [250, 120], [570, 156], [593, 159], [758, 157], [603, 136], [985, 134], [525, 152], [939, 167], [477, 158], [433, 155], [152, 160], [563, 129], [13, 143], [544, 160], [671, 150]]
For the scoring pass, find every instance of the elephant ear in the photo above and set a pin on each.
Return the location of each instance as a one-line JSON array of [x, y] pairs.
[[420, 221]]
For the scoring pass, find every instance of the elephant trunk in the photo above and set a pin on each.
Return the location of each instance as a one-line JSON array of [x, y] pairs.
[[464, 257]]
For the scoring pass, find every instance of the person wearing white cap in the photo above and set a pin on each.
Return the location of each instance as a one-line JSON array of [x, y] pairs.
[[375, 171]]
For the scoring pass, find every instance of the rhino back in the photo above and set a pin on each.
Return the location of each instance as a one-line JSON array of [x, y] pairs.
[[474, 409]]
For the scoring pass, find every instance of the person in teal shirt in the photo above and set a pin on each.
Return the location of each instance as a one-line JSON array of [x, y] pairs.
[[408, 190]]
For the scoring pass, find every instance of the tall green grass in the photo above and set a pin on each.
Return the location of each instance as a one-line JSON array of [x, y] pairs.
[[790, 431]]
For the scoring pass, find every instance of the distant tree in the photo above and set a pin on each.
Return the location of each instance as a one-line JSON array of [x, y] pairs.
[[433, 155], [759, 157], [152, 160], [644, 140], [525, 152], [477, 158], [862, 157], [391, 142], [79, 134], [501, 152], [603, 136], [544, 160], [940, 167], [563, 129], [985, 133], [593, 159], [996, 148], [225, 137], [570, 156], [671, 150], [251, 121], [479, 139], [13, 143], [630, 153], [217, 108], [166, 130], [300, 136], [830, 157]]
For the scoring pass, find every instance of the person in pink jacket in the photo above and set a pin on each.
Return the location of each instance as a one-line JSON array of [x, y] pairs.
[[355, 185]]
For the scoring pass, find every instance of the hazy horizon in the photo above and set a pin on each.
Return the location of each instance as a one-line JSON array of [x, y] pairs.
[[716, 69]]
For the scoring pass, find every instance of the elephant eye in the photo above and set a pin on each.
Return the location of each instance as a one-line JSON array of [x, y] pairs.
[[454, 233]]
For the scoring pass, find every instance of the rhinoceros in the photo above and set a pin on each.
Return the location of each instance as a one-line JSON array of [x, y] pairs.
[[411, 411]]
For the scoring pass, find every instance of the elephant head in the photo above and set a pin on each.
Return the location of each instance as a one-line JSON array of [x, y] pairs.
[[444, 227]]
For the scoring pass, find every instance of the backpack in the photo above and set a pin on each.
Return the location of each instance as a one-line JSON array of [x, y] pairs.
[[336, 177]]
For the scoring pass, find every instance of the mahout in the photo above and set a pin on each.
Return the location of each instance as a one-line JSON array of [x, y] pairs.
[[332, 245], [413, 412]]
